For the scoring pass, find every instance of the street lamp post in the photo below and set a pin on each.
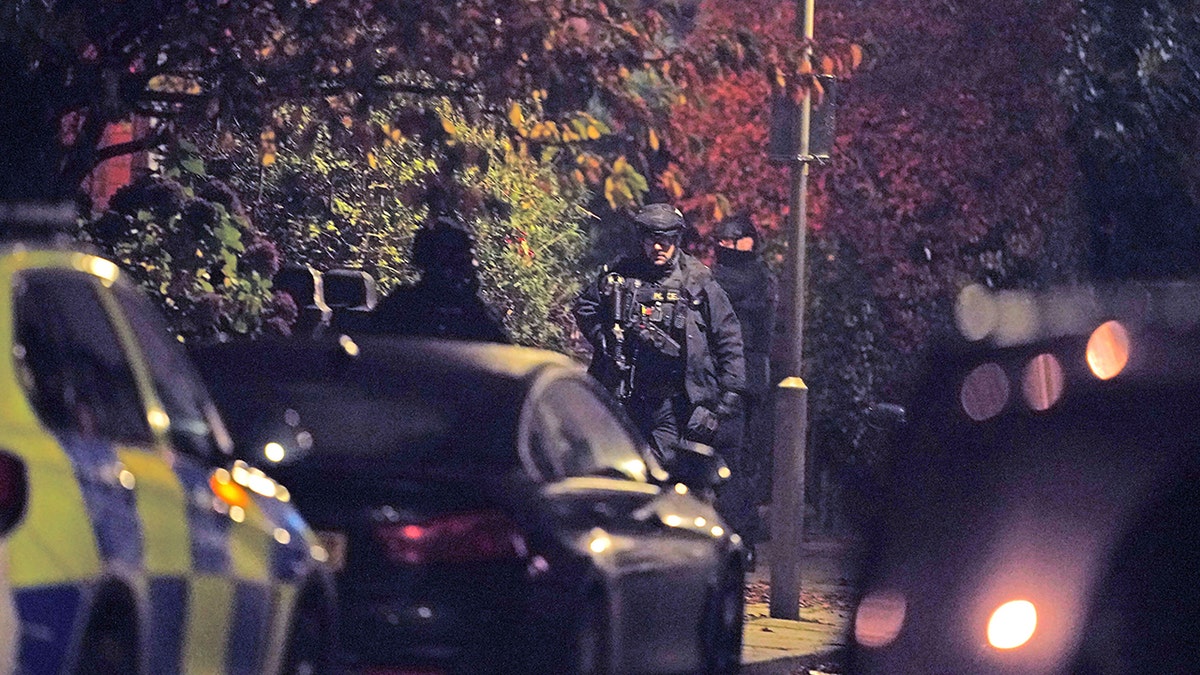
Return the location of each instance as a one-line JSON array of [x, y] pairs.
[[791, 403]]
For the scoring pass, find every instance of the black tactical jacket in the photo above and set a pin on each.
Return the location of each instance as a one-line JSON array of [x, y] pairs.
[[753, 292], [427, 311], [712, 337]]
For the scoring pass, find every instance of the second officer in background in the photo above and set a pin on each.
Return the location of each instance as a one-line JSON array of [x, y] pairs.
[[753, 291], [665, 338]]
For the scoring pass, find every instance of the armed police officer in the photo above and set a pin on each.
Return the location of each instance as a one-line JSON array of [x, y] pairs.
[[753, 291], [665, 338]]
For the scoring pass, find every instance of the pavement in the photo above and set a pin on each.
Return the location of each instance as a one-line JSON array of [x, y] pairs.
[[812, 645]]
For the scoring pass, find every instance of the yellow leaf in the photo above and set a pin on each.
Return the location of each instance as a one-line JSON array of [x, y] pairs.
[[623, 72], [610, 192], [779, 78], [856, 56], [372, 160], [515, 116], [577, 175], [826, 65], [804, 67], [266, 147], [448, 126], [620, 165], [653, 140], [592, 132], [347, 121], [718, 214]]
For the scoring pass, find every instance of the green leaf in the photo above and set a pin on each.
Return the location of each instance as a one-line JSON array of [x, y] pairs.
[[637, 181], [230, 237], [193, 165]]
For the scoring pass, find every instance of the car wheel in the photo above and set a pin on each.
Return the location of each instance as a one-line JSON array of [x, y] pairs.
[[589, 640], [109, 645], [721, 634], [311, 643]]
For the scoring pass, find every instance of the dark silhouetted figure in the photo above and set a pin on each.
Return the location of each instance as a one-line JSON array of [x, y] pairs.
[[445, 302], [753, 291]]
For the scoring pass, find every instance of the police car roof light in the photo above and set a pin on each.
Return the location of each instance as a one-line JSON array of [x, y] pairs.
[[14, 491]]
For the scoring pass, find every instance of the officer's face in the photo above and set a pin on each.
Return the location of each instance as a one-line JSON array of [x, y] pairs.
[[743, 244], [659, 248]]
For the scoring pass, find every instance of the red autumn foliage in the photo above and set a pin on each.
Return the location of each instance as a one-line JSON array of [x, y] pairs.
[[951, 165]]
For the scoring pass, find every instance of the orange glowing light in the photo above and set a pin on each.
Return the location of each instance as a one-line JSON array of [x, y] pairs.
[[1108, 350], [229, 492], [1012, 624]]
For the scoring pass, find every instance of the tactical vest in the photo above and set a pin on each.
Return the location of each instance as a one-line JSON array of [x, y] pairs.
[[648, 314]]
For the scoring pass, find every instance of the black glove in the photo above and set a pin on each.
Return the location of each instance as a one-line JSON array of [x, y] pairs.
[[729, 405], [702, 425]]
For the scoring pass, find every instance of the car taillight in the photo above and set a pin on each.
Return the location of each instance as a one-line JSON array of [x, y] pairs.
[[14, 491], [458, 537]]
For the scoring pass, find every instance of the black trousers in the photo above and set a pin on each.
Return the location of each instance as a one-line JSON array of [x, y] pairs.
[[661, 419]]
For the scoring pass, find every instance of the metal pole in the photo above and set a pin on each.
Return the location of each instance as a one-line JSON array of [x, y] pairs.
[[791, 407]]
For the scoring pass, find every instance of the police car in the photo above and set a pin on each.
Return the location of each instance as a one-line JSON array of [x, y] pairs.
[[137, 544]]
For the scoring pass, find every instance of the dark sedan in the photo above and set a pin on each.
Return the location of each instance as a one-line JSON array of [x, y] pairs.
[[487, 507], [1044, 504]]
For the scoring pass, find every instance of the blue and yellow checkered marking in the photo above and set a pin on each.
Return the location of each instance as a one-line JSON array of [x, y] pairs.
[[216, 595], [214, 588], [47, 613], [112, 505]]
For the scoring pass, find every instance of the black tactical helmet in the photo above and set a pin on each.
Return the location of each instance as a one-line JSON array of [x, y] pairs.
[[659, 218], [735, 228]]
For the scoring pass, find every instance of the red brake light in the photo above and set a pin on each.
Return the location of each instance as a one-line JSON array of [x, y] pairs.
[[14, 491], [458, 537]]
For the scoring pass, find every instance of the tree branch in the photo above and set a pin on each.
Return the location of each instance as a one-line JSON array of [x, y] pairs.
[[147, 142]]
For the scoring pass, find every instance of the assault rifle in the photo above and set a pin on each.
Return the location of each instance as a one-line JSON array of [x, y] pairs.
[[640, 310]]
